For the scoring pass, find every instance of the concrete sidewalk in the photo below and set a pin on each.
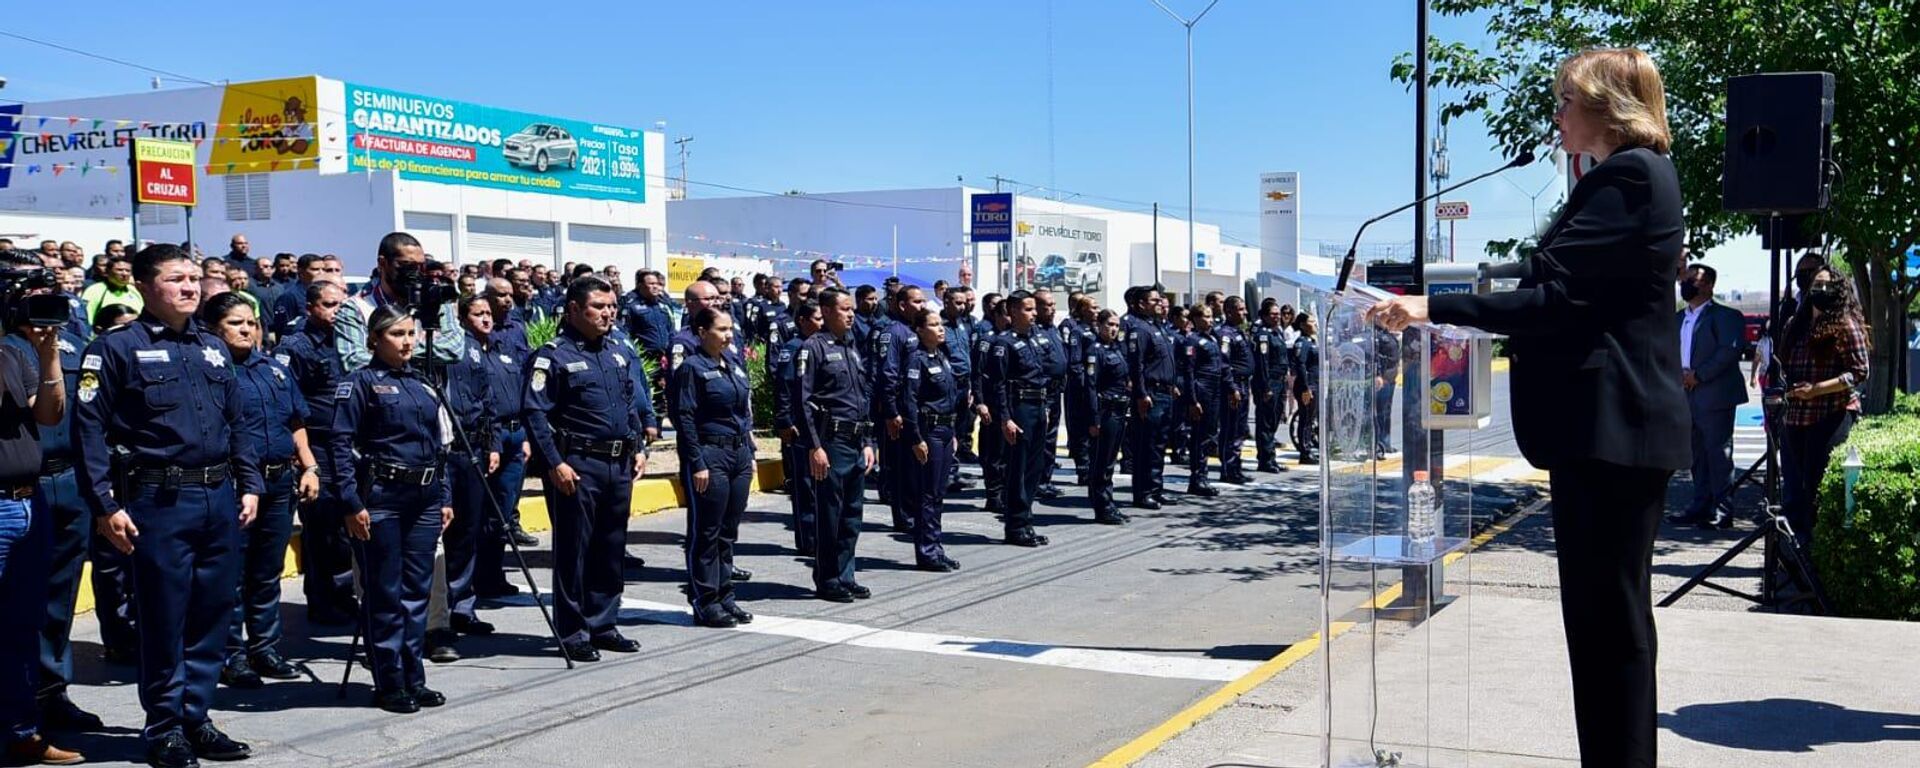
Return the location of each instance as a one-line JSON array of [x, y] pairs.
[[1485, 682]]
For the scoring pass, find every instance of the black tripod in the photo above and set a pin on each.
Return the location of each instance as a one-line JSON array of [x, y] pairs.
[[477, 457], [1781, 550]]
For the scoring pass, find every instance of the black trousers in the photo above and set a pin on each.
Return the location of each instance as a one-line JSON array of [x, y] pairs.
[[1028, 462], [1605, 517], [838, 500], [713, 521], [1269, 411]]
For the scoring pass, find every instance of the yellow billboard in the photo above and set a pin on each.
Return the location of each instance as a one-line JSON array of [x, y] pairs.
[[683, 271], [265, 126]]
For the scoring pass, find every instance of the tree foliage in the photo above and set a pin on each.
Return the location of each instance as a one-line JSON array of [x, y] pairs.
[[1871, 46]]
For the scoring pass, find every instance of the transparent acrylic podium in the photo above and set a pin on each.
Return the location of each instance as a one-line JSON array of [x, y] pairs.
[[1396, 648]]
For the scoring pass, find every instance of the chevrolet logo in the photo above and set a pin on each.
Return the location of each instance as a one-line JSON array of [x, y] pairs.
[[1279, 195], [1024, 228]]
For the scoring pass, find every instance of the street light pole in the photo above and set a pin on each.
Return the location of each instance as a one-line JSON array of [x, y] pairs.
[[1192, 270]]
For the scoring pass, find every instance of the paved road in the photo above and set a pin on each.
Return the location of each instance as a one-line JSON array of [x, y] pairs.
[[1025, 657]]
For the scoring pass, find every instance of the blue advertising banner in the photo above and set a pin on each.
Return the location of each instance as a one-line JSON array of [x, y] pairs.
[[993, 217], [456, 142]]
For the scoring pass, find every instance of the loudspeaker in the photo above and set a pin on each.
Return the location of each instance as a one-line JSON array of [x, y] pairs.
[[1795, 232], [1779, 135]]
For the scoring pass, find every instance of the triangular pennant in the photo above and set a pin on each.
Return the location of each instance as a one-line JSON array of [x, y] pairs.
[[96, 124], [45, 137], [43, 122], [84, 169], [57, 168], [229, 167], [145, 125], [196, 142], [209, 170], [72, 121], [122, 123], [113, 169], [273, 166], [32, 169]]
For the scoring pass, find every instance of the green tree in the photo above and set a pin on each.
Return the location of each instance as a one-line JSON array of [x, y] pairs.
[[1871, 46]]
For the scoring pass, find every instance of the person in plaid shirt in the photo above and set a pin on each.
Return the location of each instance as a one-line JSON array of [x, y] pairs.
[[1824, 361]]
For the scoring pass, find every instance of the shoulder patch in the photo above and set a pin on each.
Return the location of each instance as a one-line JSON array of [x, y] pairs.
[[913, 373], [90, 363], [542, 362], [576, 366], [284, 358], [344, 391]]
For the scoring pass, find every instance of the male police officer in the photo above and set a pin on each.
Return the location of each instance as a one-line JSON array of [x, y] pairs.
[[801, 489], [585, 429], [1077, 331], [161, 390], [1239, 354], [310, 353], [1272, 360], [1057, 351], [1017, 399], [893, 341], [649, 316], [830, 398], [1150, 364]]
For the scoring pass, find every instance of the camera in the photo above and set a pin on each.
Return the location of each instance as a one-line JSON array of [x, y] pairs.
[[837, 266], [47, 309], [424, 294]]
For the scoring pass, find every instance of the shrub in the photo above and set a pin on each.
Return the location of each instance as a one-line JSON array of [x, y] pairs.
[[1870, 565], [761, 380], [541, 331]]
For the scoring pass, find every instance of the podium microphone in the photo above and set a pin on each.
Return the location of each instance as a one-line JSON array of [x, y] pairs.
[[1346, 265]]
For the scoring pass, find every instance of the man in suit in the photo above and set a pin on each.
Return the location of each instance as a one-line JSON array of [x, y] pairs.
[[1711, 335]]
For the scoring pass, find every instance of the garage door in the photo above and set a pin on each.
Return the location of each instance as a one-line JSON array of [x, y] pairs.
[[623, 247], [515, 239], [434, 231]]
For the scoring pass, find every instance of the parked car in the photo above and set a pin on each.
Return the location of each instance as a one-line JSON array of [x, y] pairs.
[[1082, 271], [541, 145]]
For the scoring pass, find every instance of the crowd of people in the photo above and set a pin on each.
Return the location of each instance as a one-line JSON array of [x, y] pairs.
[[216, 402]]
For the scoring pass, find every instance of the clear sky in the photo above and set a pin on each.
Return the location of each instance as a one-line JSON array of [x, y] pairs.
[[1080, 96]]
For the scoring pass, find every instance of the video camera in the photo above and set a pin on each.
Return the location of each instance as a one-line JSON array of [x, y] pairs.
[[46, 310], [424, 294]]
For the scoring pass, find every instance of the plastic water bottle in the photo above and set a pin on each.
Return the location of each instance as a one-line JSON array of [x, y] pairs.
[[1421, 517]]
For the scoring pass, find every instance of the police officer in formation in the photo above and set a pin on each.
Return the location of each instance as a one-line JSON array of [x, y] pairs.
[[1153, 382], [1105, 379], [1180, 328], [930, 395], [1306, 386], [1238, 352], [502, 358], [1016, 390], [311, 357], [473, 455], [1079, 336], [712, 409], [1272, 363], [956, 309], [290, 474], [1203, 384], [390, 437], [800, 483], [1058, 356], [831, 397], [581, 411], [162, 392], [892, 341]]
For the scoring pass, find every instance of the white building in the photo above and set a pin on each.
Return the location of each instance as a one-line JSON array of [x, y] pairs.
[[923, 235], [311, 164]]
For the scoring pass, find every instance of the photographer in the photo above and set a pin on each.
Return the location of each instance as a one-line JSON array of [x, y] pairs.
[[32, 397], [399, 273], [1824, 362]]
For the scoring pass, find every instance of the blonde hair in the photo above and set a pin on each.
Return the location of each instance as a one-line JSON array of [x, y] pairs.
[[1622, 88]]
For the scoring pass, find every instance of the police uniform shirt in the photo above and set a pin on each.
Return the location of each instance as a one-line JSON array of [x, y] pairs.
[[269, 389], [581, 388], [1270, 362], [390, 415], [20, 454], [56, 441], [830, 379], [510, 336], [930, 388], [1150, 355], [504, 379], [713, 399], [170, 399], [783, 379], [1104, 372], [310, 357], [466, 388], [1053, 352], [651, 324], [892, 342], [1016, 362], [1201, 363], [1236, 352], [1306, 364], [642, 386]]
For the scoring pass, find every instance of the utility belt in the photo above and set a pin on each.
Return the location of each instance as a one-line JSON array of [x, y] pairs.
[[271, 471], [55, 465], [832, 428], [403, 474], [1162, 387], [1115, 402], [724, 441], [1030, 394], [936, 419], [569, 443], [173, 477], [507, 425]]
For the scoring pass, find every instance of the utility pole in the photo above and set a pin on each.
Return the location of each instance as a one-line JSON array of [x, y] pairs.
[[682, 143], [1192, 258], [1006, 268]]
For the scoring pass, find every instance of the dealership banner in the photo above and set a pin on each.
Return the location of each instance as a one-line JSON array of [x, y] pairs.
[[993, 217], [266, 126], [434, 139]]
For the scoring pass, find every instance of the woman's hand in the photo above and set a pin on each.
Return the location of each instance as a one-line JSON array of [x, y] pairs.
[[1801, 391], [360, 525], [700, 480], [1397, 313]]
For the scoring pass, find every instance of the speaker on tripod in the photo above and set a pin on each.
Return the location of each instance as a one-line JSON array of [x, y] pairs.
[[1779, 135]]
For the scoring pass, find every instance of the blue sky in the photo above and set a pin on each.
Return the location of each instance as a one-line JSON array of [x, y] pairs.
[[826, 96]]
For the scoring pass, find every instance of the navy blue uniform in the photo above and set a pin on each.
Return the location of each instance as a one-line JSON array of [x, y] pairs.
[[1151, 375], [1203, 382], [713, 410], [1058, 355], [170, 401], [793, 460], [1238, 352], [581, 410], [1386, 368], [892, 342], [650, 323], [325, 558], [1079, 340], [959, 349], [390, 419], [471, 406], [268, 389], [1272, 361], [71, 526], [289, 307], [504, 365], [993, 448], [1104, 386], [833, 397], [1306, 380], [930, 393], [1017, 394]]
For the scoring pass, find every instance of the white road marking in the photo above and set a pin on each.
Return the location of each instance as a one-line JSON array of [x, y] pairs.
[[840, 633]]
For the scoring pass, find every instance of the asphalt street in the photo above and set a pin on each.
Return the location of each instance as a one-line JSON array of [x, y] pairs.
[[1025, 657]]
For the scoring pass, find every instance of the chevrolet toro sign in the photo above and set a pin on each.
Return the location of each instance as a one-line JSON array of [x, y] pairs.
[[993, 217]]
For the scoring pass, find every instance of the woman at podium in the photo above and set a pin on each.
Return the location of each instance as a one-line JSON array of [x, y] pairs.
[[1596, 383]]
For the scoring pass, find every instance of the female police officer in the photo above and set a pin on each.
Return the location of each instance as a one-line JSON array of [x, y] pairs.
[[267, 389], [388, 415], [928, 398], [712, 406], [1105, 382], [1203, 371]]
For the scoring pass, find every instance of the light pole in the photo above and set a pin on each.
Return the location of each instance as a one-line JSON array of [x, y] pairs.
[[1192, 272]]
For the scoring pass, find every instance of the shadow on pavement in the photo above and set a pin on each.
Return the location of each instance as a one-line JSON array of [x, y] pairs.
[[1787, 725]]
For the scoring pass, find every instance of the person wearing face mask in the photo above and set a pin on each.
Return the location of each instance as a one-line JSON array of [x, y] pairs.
[[1711, 335], [1823, 364]]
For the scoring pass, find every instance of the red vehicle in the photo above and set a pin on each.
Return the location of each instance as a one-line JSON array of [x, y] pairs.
[[1755, 323]]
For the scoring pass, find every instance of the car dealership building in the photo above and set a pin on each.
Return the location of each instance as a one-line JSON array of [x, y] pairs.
[[312, 164]]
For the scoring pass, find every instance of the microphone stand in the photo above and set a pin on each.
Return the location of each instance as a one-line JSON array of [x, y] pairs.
[[1346, 263]]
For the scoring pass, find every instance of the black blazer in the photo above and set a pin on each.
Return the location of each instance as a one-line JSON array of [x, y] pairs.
[[1593, 335]]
